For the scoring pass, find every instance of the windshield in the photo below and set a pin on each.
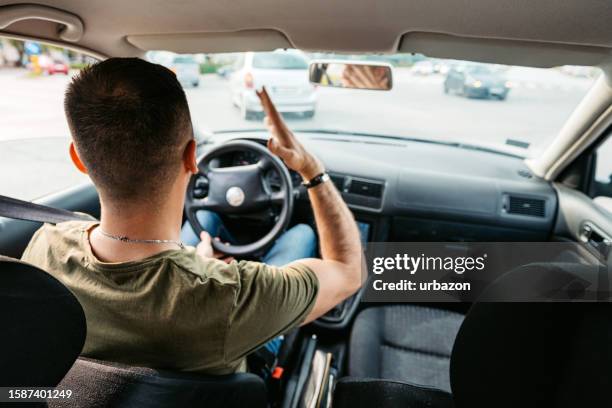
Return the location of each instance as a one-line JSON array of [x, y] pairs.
[[503, 108], [278, 60], [506, 108]]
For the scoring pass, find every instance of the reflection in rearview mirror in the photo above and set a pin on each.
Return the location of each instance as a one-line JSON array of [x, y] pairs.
[[351, 75]]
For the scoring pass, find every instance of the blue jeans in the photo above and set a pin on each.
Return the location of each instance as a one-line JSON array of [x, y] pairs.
[[296, 243]]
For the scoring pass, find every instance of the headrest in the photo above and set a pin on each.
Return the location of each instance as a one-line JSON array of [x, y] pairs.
[[533, 354], [43, 326]]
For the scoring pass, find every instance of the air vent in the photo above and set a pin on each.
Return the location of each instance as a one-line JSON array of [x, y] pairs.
[[359, 192], [366, 188], [533, 207]]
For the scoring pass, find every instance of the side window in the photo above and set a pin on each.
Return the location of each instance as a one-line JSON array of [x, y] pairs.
[[603, 165], [601, 187], [34, 135]]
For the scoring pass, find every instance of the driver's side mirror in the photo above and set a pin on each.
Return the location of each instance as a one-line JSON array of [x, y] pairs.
[[352, 75]]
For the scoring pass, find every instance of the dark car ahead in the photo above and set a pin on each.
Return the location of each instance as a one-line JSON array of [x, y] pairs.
[[476, 81]]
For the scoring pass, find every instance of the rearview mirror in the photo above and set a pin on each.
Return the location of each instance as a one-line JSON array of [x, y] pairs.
[[353, 75]]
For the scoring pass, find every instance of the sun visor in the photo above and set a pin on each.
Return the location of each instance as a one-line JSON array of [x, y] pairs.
[[230, 41], [500, 51]]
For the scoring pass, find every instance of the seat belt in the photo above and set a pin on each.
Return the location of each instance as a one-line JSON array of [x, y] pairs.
[[27, 211]]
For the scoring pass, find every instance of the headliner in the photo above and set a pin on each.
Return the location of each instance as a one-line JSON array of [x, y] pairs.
[[537, 32]]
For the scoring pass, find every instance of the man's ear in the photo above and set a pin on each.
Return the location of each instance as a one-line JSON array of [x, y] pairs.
[[76, 159], [190, 159]]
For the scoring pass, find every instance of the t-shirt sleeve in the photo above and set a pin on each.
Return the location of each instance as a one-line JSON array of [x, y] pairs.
[[269, 302], [32, 253]]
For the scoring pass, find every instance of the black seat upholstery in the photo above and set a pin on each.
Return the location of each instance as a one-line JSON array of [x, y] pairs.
[[546, 354], [534, 354], [549, 354], [404, 342], [43, 326], [43, 333], [351, 392], [102, 384]]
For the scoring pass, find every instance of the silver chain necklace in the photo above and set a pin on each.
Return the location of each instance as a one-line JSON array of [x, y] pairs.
[[141, 241]]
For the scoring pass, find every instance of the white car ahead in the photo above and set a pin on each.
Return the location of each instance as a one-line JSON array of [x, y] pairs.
[[285, 76]]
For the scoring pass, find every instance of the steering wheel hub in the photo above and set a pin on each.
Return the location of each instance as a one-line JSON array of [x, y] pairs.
[[234, 196]]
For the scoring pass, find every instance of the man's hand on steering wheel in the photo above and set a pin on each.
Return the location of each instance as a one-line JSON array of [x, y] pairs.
[[206, 250], [285, 145]]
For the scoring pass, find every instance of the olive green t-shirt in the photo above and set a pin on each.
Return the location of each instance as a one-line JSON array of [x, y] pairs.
[[174, 310]]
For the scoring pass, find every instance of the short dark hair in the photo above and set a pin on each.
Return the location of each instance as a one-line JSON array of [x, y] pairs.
[[130, 123]]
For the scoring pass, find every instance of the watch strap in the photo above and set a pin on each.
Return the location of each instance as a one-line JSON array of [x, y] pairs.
[[316, 180]]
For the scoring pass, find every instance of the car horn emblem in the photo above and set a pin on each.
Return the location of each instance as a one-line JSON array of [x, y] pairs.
[[234, 196]]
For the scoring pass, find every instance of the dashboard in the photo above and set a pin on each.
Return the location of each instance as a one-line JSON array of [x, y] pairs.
[[405, 190]]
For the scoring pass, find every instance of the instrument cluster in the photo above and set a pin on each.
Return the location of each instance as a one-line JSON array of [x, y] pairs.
[[247, 157]]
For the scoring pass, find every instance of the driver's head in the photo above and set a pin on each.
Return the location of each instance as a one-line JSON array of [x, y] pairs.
[[131, 127]]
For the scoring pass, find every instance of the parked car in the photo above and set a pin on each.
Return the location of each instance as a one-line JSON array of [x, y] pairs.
[[225, 71], [441, 66], [284, 73], [476, 81], [185, 66], [52, 66], [187, 70]]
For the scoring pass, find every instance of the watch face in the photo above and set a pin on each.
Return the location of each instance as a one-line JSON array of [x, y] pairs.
[[316, 180]]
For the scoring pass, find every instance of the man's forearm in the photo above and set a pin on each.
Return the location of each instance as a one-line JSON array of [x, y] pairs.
[[338, 233], [339, 272]]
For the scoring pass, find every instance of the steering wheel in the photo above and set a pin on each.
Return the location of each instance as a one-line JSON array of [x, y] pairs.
[[239, 190]]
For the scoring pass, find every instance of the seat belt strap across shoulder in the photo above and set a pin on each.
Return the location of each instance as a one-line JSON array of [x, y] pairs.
[[25, 210]]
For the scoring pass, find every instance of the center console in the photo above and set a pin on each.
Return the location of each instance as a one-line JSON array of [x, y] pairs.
[[342, 314], [322, 354]]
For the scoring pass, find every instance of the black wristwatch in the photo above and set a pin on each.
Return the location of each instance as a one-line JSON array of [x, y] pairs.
[[316, 180]]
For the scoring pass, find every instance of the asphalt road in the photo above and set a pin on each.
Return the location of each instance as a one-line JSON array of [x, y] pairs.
[[34, 136]]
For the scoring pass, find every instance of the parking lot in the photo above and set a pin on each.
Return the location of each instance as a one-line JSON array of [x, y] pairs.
[[34, 135]]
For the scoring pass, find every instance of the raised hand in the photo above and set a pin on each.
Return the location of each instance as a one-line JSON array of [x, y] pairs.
[[285, 145]]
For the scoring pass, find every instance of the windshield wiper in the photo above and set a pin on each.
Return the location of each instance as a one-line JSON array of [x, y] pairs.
[[345, 133], [377, 135], [488, 150], [460, 145]]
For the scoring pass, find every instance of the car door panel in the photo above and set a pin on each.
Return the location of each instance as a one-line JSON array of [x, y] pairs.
[[582, 220]]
